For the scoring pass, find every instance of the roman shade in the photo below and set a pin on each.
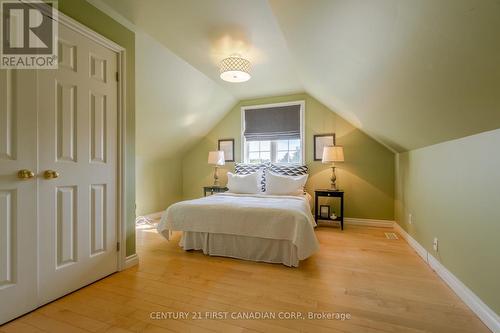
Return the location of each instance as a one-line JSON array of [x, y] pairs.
[[273, 123]]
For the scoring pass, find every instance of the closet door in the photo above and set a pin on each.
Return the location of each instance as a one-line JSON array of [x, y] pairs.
[[78, 166], [18, 220]]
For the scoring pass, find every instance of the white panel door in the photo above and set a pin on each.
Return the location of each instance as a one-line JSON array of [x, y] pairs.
[[18, 226], [77, 117]]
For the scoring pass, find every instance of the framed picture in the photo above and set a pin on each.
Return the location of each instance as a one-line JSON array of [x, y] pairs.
[[324, 211], [227, 146], [320, 141]]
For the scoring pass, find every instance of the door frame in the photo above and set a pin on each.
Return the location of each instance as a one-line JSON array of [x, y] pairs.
[[121, 205]]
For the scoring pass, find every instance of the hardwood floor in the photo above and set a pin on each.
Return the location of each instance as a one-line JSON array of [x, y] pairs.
[[382, 284]]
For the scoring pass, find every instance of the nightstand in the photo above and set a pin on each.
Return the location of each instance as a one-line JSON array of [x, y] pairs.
[[331, 194], [213, 189]]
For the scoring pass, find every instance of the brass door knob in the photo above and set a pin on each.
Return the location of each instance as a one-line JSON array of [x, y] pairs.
[[25, 174], [50, 174]]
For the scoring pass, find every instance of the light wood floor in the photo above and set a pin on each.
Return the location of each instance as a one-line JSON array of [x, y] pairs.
[[381, 283]]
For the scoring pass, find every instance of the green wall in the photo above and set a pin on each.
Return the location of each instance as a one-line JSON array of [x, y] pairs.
[[91, 17], [159, 184], [367, 175], [452, 190]]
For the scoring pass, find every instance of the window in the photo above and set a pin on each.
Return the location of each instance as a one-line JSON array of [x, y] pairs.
[[276, 151], [258, 151], [273, 133], [288, 151]]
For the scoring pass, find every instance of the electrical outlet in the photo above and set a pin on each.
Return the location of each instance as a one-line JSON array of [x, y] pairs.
[[435, 244], [410, 218]]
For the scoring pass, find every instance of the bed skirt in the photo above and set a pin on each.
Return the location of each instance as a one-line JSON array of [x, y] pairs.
[[242, 247]]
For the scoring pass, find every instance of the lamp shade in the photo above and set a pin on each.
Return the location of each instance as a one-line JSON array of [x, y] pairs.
[[333, 154], [216, 157], [235, 69]]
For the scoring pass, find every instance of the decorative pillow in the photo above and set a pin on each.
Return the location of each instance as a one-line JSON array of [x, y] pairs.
[[249, 184], [247, 168], [289, 169], [285, 185]]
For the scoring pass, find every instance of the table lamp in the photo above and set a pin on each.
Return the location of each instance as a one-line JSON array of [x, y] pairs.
[[216, 159], [332, 154]]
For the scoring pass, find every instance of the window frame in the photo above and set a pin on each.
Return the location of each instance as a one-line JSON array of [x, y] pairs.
[[302, 105]]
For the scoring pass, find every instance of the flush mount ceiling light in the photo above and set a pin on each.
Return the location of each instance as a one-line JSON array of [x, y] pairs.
[[235, 69]]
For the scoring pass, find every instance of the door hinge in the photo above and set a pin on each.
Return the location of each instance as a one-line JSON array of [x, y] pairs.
[[118, 246], [117, 77]]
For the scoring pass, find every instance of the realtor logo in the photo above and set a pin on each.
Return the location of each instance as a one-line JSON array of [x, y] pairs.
[[29, 34]]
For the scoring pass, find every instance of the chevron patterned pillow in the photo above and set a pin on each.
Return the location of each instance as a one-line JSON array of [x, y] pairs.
[[289, 169], [246, 168]]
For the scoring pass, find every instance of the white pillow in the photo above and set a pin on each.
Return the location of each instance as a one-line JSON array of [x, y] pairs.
[[248, 184], [284, 185]]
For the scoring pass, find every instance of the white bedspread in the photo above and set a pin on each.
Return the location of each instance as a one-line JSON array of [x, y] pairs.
[[255, 215]]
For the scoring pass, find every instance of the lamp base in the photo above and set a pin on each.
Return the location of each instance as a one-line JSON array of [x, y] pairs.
[[216, 177], [333, 180]]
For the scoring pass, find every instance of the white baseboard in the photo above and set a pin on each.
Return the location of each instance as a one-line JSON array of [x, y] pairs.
[[369, 222], [487, 315], [131, 261], [413, 243]]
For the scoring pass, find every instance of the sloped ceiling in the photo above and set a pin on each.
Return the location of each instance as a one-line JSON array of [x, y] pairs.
[[408, 73], [175, 103]]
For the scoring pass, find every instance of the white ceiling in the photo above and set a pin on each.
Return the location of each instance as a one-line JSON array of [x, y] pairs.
[[409, 73], [205, 32]]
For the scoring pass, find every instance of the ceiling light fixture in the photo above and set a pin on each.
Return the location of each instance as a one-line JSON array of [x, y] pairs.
[[235, 69]]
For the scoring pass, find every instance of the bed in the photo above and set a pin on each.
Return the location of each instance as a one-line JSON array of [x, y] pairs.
[[257, 227]]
